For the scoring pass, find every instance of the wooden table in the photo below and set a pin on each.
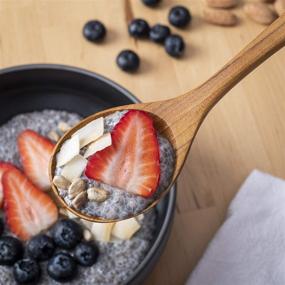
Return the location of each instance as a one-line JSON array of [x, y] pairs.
[[245, 131]]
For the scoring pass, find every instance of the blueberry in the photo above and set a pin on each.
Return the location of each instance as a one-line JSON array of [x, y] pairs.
[[159, 33], [128, 60], [150, 2], [26, 271], [11, 250], [94, 31], [86, 253], [67, 234], [62, 267], [1, 227], [40, 247], [174, 45], [139, 28], [179, 16]]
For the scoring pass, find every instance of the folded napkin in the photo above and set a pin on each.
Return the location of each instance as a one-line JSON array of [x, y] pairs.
[[249, 248]]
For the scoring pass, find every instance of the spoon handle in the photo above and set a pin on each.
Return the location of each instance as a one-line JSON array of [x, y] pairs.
[[256, 52]]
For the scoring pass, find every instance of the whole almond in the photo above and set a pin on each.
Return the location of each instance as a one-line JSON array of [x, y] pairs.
[[280, 7], [97, 195], [76, 187], [260, 13], [79, 200], [220, 17], [61, 182], [222, 3]]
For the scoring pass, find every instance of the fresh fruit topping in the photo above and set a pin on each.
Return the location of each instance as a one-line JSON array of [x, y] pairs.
[[28, 210], [174, 45], [4, 166], [94, 31], [35, 152], [179, 16], [102, 231], [131, 163], [125, 229], [97, 195], [151, 2], [86, 253], [26, 271], [138, 28], [101, 143], [62, 267], [67, 234], [159, 33], [11, 250], [128, 60], [90, 132], [68, 151], [1, 227], [40, 247], [74, 168]]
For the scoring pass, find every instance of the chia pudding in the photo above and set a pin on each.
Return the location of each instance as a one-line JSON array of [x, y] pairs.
[[122, 204], [118, 258]]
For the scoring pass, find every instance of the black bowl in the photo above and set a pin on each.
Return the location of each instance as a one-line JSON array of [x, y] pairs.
[[36, 87]]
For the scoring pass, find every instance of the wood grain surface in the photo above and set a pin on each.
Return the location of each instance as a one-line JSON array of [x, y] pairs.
[[246, 130]]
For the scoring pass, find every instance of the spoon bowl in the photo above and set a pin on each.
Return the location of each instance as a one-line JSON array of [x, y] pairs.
[[179, 119]]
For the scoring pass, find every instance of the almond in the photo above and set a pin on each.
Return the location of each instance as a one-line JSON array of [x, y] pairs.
[[63, 126], [280, 7], [260, 13], [220, 17], [53, 136], [222, 3], [61, 182], [76, 187], [79, 200], [98, 195]]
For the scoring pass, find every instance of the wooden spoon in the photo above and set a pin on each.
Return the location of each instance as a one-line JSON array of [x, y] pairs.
[[179, 119]]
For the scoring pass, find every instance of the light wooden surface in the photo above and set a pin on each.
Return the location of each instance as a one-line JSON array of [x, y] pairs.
[[244, 131]]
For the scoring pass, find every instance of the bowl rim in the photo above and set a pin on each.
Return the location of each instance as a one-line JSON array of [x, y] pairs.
[[157, 246]]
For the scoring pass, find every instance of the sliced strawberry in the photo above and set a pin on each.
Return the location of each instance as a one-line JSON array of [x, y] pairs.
[[131, 163], [35, 151], [4, 166], [28, 210]]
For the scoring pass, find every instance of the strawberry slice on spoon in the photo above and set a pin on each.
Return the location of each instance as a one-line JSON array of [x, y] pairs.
[[35, 152], [131, 163], [28, 210]]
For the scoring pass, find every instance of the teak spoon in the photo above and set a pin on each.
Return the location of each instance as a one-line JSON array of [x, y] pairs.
[[179, 119]]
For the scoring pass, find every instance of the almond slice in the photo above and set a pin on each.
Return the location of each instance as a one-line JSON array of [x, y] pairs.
[[102, 231], [101, 143], [90, 132], [125, 229], [74, 168], [68, 151]]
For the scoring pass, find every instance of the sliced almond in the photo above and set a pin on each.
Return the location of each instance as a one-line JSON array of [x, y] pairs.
[[79, 200], [61, 182], [68, 151], [140, 217], [280, 7], [220, 17], [63, 126], [125, 229], [260, 13], [102, 231], [101, 143], [222, 3], [97, 195], [74, 168], [53, 136], [77, 186], [90, 132]]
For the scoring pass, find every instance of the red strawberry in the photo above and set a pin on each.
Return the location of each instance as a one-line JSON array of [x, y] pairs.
[[132, 161], [28, 210], [35, 151], [4, 166]]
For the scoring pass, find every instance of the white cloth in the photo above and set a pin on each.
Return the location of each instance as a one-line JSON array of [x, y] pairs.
[[249, 248]]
